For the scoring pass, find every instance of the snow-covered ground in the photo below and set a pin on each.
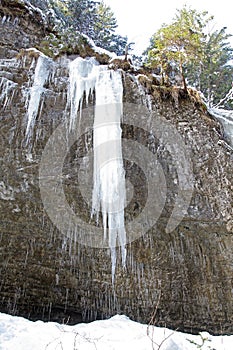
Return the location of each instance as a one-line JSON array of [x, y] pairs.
[[116, 333]]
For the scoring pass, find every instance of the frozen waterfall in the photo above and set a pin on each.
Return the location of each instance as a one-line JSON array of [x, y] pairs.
[[226, 119], [82, 78], [108, 195], [42, 73]]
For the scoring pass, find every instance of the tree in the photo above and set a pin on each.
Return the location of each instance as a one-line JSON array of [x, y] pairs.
[[118, 44], [92, 18], [82, 15], [60, 8], [200, 56], [213, 75], [105, 28], [179, 43], [105, 25]]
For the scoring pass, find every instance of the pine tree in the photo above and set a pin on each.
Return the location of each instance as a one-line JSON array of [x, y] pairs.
[[82, 15], [105, 25], [200, 56], [178, 43], [104, 30], [60, 8], [213, 75], [118, 44], [92, 18]]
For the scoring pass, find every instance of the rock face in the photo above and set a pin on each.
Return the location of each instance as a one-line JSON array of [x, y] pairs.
[[22, 26], [185, 275]]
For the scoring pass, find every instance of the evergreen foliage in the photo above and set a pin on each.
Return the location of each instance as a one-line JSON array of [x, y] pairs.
[[213, 75], [187, 51], [105, 25], [178, 43], [93, 19]]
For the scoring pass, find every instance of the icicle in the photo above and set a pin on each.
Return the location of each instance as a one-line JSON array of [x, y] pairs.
[[82, 79], [4, 18], [42, 72], [109, 176], [226, 119], [108, 196], [146, 98], [7, 91]]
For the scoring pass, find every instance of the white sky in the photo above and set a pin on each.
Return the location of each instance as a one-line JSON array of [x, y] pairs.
[[139, 20]]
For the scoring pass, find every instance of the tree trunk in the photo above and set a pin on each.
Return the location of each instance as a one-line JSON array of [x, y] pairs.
[[183, 77]]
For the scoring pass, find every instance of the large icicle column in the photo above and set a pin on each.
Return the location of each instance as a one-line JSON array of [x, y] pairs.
[[108, 195], [42, 72], [109, 176]]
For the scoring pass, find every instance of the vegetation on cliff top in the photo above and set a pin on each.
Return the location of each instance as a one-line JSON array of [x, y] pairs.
[[187, 50], [184, 52], [92, 18]]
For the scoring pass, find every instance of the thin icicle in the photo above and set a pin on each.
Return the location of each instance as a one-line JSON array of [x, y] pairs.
[[42, 72], [146, 98]]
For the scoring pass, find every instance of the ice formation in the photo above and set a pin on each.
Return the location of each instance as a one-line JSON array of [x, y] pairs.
[[83, 75], [7, 88], [226, 119], [108, 195], [42, 73]]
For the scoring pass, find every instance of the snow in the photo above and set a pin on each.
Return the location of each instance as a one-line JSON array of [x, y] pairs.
[[122, 58], [116, 333], [98, 49], [32, 9]]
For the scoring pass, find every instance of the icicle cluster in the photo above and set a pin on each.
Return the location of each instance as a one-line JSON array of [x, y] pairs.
[[108, 196], [83, 75], [7, 88], [42, 73]]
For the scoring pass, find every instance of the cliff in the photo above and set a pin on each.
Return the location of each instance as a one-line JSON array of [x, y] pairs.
[[185, 272]]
